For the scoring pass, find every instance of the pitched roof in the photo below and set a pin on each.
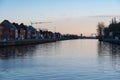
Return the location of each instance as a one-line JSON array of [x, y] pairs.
[[31, 28], [6, 23]]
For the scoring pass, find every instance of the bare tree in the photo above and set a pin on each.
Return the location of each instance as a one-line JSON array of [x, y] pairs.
[[100, 29]]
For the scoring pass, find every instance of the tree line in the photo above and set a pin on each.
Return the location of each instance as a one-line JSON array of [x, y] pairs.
[[112, 31]]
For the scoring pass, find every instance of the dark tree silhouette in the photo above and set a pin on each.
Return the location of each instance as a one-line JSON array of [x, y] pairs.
[[112, 31], [100, 29]]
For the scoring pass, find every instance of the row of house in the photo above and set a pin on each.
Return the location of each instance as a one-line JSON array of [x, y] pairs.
[[14, 31]]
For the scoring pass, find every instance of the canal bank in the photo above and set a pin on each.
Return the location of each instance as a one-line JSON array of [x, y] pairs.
[[114, 41], [25, 42], [28, 42]]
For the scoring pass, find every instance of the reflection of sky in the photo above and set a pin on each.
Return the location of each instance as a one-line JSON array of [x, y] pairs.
[[55, 10], [64, 60], [109, 55]]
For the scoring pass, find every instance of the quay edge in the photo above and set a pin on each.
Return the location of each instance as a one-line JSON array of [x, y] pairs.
[[25, 42], [28, 42], [110, 41]]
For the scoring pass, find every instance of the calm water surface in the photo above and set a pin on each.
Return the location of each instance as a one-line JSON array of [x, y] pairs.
[[64, 60]]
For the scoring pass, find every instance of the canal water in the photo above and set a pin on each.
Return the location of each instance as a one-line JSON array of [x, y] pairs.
[[62, 60]]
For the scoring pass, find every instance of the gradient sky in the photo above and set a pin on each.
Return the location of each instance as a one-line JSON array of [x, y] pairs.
[[68, 16]]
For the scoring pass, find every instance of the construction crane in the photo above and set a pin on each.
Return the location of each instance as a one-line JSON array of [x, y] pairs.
[[39, 23]]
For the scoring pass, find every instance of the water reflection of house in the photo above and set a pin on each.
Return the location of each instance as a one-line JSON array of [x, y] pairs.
[[17, 51]]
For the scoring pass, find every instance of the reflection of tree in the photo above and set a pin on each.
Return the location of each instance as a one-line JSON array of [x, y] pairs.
[[108, 49], [108, 52], [16, 51]]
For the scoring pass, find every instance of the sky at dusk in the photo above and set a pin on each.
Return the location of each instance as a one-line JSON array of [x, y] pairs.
[[68, 16]]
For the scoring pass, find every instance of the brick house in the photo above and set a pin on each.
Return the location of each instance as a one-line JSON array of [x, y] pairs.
[[7, 30]]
